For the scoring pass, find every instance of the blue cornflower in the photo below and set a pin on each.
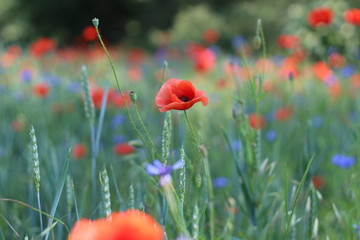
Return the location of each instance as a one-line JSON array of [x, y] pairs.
[[347, 71], [317, 121], [26, 75], [117, 120], [236, 145], [74, 87], [164, 171], [118, 139], [342, 161], [237, 41], [220, 182], [271, 135]]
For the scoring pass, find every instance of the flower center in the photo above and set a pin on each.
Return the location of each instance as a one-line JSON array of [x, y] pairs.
[[184, 98]]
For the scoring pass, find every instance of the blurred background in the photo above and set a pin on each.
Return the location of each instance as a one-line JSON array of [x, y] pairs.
[[146, 23]]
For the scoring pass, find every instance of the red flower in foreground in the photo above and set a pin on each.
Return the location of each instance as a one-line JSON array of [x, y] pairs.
[[352, 16], [320, 16], [257, 121], [176, 94], [89, 33], [287, 41], [41, 90], [79, 151], [123, 149], [129, 225], [42, 46]]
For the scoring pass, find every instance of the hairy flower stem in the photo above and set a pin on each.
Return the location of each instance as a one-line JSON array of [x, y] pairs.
[[205, 163], [146, 132], [120, 89]]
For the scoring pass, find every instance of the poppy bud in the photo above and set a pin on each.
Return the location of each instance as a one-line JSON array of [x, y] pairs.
[[133, 96], [95, 22], [257, 42]]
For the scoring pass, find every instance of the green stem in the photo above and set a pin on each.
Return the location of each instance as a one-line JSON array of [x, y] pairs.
[[146, 131], [205, 163], [120, 90]]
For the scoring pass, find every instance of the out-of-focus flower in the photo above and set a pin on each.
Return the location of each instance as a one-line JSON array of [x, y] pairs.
[[320, 16], [117, 139], [355, 80], [322, 71], [176, 94], [97, 94], [210, 36], [283, 114], [335, 89], [317, 121], [220, 182], [117, 120], [271, 135], [352, 16], [123, 149], [41, 90], [347, 71], [287, 41], [203, 58], [135, 73], [136, 55], [118, 101], [257, 121], [129, 225], [79, 151], [42, 46], [164, 171], [89, 34], [9, 57], [342, 161], [318, 181], [26, 75], [336, 60]]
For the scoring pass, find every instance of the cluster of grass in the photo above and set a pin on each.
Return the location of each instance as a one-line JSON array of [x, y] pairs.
[[238, 181]]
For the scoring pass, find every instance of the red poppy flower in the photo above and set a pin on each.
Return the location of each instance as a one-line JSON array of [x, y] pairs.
[[283, 114], [352, 16], [320, 16], [89, 33], [203, 58], [210, 36], [118, 101], [322, 71], [257, 121], [42, 46], [41, 90], [123, 149], [176, 94], [288, 41], [129, 225], [97, 94], [79, 151], [318, 181], [336, 60]]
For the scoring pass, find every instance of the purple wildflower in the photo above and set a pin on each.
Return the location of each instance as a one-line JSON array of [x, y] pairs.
[[26, 75], [117, 120], [220, 182], [164, 171], [342, 161], [271, 135]]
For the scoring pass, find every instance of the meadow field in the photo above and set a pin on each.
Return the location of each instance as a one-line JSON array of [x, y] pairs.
[[188, 141]]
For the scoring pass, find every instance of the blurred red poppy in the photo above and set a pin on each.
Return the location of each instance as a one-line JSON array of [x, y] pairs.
[[129, 225], [336, 60], [352, 16], [89, 33], [176, 94], [118, 101], [41, 90], [79, 151], [320, 16], [283, 114], [203, 59], [97, 94], [123, 149], [210, 36], [318, 181], [257, 121], [287, 41], [322, 71], [42, 46]]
